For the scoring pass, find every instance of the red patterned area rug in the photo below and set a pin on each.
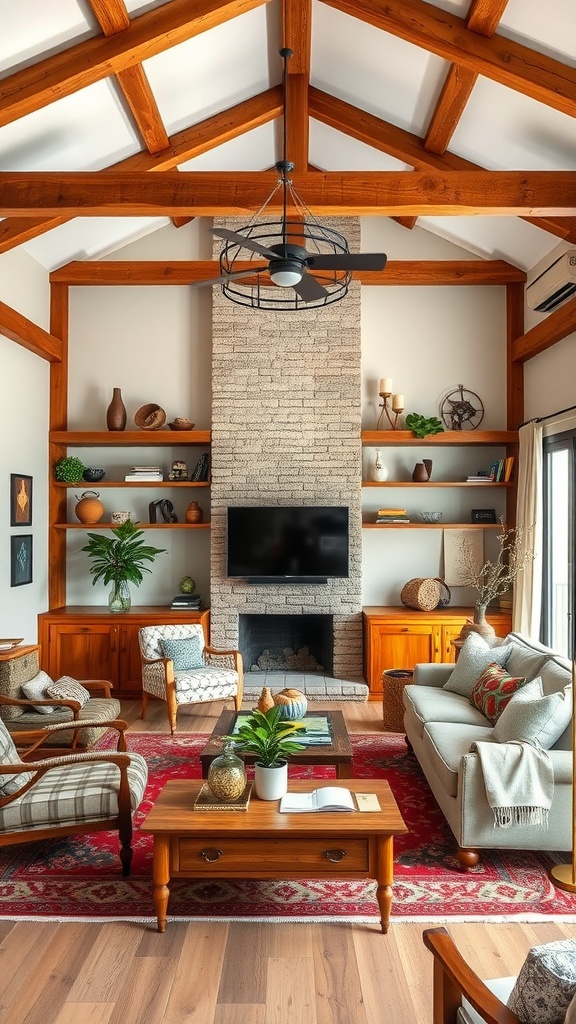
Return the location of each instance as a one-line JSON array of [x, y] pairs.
[[80, 877]]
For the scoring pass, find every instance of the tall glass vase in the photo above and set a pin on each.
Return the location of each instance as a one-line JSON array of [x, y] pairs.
[[119, 599]]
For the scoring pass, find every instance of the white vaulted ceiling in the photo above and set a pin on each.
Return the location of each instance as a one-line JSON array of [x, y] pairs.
[[62, 115]]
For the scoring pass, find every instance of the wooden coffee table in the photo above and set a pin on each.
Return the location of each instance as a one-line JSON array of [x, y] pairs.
[[337, 753], [263, 843]]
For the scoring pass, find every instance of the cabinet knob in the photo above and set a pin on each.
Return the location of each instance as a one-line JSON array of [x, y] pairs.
[[334, 856], [211, 854]]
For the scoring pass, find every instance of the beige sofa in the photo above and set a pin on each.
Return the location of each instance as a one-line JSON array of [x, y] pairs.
[[441, 725]]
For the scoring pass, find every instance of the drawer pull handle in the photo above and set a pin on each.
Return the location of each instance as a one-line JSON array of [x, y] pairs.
[[211, 854], [334, 856]]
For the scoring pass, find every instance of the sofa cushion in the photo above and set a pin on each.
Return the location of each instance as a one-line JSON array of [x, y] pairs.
[[524, 662], [546, 983], [494, 690], [474, 657], [534, 717], [186, 653], [429, 704], [67, 688], [35, 689], [446, 743]]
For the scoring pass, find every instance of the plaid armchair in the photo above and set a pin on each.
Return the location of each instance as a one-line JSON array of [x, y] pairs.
[[71, 794], [178, 668]]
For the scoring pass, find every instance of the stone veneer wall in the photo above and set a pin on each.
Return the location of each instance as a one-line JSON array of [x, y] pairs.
[[286, 417]]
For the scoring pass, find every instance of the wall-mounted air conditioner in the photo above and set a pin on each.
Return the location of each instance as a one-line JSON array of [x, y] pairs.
[[554, 285]]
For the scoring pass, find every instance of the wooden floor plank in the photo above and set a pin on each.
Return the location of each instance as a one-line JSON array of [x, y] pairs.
[[241, 1014], [86, 1013], [146, 991], [290, 997], [338, 989], [385, 988], [197, 978], [21, 949], [242, 981], [155, 943], [110, 960]]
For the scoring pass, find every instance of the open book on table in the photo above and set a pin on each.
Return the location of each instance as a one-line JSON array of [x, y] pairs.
[[330, 798]]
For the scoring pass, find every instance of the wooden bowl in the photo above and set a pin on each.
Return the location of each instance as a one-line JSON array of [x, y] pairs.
[[150, 417], [181, 424]]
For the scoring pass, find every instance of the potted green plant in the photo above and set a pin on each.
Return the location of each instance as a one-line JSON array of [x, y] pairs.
[[120, 560], [271, 739]]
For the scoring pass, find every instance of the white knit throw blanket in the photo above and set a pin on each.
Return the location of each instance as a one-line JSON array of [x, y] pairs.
[[519, 782]]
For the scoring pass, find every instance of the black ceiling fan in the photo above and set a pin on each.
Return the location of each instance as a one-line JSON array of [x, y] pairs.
[[288, 264]]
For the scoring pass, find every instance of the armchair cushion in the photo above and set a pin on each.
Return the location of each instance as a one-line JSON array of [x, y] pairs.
[[205, 684], [9, 755], [546, 983], [36, 688], [186, 653], [67, 688]]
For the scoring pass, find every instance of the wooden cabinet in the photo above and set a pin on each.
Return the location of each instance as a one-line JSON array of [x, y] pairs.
[[93, 643], [397, 637]]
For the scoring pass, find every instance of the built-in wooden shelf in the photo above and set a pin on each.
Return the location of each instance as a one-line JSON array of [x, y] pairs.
[[140, 525], [435, 483], [432, 526], [401, 438], [129, 438], [93, 484]]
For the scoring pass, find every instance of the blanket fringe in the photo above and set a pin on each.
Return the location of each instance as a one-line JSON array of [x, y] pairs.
[[507, 817]]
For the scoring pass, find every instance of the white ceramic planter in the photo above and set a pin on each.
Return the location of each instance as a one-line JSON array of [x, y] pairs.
[[271, 783]]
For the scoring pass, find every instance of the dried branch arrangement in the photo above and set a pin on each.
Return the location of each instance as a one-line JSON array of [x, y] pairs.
[[494, 578]]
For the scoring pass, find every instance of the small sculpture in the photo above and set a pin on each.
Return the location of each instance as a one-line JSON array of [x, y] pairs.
[[462, 409], [179, 471]]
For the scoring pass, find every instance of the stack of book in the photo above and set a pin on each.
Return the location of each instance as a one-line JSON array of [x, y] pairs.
[[479, 478], [501, 470], [392, 515], [144, 474], [186, 602]]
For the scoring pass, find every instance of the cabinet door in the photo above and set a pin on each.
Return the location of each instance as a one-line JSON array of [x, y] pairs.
[[130, 665], [450, 633], [84, 652], [399, 646]]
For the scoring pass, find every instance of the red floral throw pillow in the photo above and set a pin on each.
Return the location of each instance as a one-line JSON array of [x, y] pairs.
[[493, 690]]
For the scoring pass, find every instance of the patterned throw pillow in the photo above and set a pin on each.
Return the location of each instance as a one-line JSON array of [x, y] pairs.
[[9, 755], [546, 983], [66, 688], [493, 691], [185, 653], [36, 689]]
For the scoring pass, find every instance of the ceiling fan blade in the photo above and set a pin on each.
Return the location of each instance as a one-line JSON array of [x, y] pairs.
[[229, 277], [246, 243], [348, 261], [309, 289]]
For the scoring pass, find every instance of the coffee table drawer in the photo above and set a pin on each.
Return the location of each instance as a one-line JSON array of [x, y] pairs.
[[226, 856]]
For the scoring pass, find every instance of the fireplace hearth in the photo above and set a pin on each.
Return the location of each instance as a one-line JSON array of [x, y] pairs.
[[287, 643]]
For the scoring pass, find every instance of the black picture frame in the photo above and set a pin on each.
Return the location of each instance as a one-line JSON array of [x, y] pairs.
[[20, 499], [483, 515], [20, 559]]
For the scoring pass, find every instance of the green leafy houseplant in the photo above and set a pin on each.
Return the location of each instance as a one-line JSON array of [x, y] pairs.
[[69, 470], [120, 560], [423, 425], [268, 736]]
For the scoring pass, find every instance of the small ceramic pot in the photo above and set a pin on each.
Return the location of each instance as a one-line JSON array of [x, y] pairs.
[[89, 508], [118, 518], [271, 783]]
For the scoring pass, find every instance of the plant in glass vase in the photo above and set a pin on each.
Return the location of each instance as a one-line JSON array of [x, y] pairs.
[[120, 561], [492, 579]]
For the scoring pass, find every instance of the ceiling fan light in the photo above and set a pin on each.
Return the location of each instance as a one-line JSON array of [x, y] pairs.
[[286, 273]]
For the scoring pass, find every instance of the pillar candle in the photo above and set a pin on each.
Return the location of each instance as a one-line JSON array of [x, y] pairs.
[[385, 387], [397, 403]]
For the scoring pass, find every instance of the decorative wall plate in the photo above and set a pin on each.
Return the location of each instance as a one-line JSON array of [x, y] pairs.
[[462, 409]]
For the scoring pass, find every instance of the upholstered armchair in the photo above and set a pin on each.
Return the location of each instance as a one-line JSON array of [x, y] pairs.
[[21, 714], [70, 794], [178, 668]]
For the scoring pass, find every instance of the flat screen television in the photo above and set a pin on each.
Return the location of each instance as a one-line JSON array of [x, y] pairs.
[[292, 544]]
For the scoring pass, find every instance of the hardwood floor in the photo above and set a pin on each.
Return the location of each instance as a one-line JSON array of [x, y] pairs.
[[239, 973]]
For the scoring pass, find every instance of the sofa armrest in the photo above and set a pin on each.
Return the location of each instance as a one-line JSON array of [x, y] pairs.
[[432, 674]]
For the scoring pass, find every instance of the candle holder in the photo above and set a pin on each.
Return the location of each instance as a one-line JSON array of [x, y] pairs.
[[392, 411]]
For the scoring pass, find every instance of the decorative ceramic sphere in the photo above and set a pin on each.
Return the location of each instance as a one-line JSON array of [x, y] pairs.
[[187, 585], [292, 703]]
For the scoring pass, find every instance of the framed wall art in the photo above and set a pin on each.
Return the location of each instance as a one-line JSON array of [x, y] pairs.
[[20, 559], [20, 500]]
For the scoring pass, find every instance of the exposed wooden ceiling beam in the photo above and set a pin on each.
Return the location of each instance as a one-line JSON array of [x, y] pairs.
[[354, 193], [185, 145], [502, 60], [555, 327], [183, 272], [483, 17], [18, 328], [297, 35], [94, 59]]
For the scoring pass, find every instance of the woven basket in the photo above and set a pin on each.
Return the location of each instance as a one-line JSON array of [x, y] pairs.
[[393, 682], [425, 594]]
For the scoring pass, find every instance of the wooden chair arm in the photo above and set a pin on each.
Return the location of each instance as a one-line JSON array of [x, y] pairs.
[[39, 768], [453, 978], [74, 705], [97, 686], [38, 736]]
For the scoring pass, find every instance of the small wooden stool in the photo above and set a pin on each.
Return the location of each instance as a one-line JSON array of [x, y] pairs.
[[393, 682]]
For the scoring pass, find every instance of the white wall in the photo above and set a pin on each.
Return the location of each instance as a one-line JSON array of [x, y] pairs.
[[549, 377], [24, 443]]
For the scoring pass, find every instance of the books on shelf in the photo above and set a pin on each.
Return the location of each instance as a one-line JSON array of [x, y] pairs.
[[479, 478], [501, 470], [144, 474], [331, 798], [184, 601], [392, 515]]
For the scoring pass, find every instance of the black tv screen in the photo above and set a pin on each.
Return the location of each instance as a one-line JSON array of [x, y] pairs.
[[288, 543]]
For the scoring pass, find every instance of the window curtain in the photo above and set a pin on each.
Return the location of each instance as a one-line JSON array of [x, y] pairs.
[[528, 587]]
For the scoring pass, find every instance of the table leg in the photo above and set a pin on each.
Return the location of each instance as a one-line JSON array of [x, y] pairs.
[[161, 877], [344, 770], [384, 878]]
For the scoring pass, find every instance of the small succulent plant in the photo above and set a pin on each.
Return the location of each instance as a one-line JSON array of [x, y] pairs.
[[423, 425], [69, 469]]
